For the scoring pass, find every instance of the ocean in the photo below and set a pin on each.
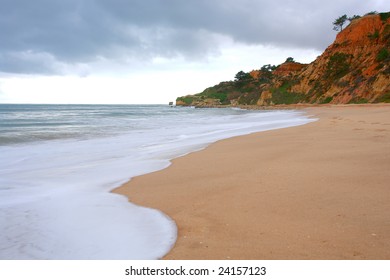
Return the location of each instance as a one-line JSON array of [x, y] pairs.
[[58, 164]]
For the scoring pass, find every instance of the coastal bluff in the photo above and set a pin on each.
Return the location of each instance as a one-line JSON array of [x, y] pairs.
[[355, 68]]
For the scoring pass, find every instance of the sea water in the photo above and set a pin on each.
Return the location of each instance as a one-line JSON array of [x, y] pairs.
[[58, 164]]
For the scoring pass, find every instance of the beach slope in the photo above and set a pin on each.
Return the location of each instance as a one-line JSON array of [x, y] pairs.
[[317, 191]]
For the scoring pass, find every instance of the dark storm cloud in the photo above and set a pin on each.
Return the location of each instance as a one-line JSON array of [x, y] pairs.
[[37, 36]]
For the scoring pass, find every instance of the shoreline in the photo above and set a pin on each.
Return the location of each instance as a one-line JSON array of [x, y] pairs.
[[317, 191]]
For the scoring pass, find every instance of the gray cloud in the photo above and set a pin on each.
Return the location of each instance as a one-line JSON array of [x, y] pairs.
[[43, 36]]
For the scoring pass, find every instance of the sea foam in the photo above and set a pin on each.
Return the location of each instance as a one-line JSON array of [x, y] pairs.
[[56, 177]]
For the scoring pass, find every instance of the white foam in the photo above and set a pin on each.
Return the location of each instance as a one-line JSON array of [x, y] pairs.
[[56, 202]]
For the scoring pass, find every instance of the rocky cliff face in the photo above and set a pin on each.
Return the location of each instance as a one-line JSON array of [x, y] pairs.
[[354, 69], [288, 69]]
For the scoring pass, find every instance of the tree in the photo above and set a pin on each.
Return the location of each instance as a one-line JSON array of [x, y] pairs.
[[240, 76], [268, 68], [290, 59], [339, 22], [353, 18], [266, 71]]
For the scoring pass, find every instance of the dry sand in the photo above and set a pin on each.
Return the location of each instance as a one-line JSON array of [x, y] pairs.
[[318, 191]]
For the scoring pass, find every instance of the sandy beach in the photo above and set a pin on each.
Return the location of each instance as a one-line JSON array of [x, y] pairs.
[[317, 191]]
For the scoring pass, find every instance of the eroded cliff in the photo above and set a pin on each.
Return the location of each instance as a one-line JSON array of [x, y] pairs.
[[354, 69]]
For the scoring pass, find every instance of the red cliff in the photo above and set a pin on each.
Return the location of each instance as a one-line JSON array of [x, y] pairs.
[[355, 68]]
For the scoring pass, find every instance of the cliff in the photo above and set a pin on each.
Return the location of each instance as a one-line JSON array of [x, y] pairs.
[[354, 69]]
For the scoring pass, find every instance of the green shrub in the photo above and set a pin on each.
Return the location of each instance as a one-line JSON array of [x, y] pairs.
[[282, 96], [386, 33], [374, 36], [384, 98], [384, 16], [222, 96], [383, 54], [357, 100], [186, 99], [327, 100], [338, 65], [362, 101]]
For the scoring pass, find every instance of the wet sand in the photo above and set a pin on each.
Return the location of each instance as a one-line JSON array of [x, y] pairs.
[[317, 191]]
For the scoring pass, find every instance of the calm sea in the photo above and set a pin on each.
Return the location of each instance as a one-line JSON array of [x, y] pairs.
[[58, 164]]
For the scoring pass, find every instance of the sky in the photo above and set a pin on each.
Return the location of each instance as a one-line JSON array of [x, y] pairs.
[[152, 51]]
